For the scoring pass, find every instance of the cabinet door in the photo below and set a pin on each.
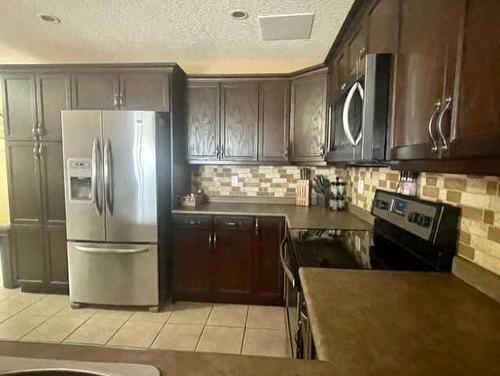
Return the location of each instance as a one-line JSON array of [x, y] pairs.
[[144, 91], [95, 90], [203, 120], [307, 122], [340, 71], [383, 27], [52, 180], [53, 96], [56, 256], [357, 50], [232, 255], [192, 256], [27, 245], [240, 102], [23, 176], [477, 129], [268, 273], [274, 121], [424, 61], [19, 105]]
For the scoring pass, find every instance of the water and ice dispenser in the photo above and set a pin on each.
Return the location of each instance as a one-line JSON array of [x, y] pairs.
[[80, 179]]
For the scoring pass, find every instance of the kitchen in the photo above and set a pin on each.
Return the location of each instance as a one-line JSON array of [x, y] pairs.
[[311, 181]]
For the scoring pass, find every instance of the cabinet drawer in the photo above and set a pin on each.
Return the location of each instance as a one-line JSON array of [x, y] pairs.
[[234, 223], [182, 220]]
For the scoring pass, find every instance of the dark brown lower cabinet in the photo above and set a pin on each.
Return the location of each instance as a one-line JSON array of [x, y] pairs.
[[227, 259], [40, 260], [193, 256]]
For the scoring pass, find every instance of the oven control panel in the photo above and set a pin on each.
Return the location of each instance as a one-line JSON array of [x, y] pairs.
[[411, 214]]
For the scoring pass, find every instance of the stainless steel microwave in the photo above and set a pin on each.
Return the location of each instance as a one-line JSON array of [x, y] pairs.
[[359, 114]]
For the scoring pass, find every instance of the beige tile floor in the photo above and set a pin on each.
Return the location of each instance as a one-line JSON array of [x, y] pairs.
[[234, 329]]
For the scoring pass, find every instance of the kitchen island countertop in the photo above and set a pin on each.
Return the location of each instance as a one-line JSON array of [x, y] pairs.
[[396, 323], [297, 217], [173, 363]]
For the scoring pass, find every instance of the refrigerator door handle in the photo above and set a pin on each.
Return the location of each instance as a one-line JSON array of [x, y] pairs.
[[108, 176], [94, 191], [111, 250]]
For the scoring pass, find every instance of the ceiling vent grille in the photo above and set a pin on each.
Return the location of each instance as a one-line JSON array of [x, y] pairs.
[[286, 26]]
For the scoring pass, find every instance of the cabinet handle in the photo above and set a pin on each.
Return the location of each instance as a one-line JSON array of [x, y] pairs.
[[35, 152], [217, 151], [214, 241], [232, 224], [322, 150], [115, 101], [447, 103], [437, 105], [34, 131], [40, 150], [209, 240], [285, 151], [257, 225], [121, 99], [222, 151], [191, 222]]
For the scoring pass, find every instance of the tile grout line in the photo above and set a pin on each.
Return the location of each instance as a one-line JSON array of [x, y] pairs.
[[40, 324], [159, 331], [78, 327], [244, 331], [203, 329], [114, 334]]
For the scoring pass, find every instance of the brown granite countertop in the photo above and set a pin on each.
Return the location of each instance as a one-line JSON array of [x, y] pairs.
[[174, 363], [298, 217], [402, 323]]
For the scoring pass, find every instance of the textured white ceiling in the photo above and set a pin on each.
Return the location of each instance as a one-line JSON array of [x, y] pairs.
[[197, 34]]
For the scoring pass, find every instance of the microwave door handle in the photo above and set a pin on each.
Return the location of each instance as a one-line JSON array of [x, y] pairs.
[[345, 113]]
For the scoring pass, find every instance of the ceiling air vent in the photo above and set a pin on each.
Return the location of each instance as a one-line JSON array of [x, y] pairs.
[[286, 26]]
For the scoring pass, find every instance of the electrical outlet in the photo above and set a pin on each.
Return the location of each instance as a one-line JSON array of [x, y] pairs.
[[235, 182], [361, 187]]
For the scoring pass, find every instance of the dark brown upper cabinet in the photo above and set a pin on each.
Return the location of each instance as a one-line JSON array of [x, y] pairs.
[[308, 117], [426, 66], [23, 175], [476, 130], [357, 50], [274, 110], [239, 120], [144, 91], [383, 24], [203, 120], [19, 105], [53, 96], [33, 105], [95, 90], [127, 90], [340, 70]]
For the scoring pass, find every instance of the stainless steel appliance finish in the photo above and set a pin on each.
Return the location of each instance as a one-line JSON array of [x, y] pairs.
[[29, 366], [359, 114], [116, 274], [110, 178]]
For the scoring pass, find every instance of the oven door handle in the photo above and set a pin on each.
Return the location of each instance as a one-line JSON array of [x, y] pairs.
[[284, 265]]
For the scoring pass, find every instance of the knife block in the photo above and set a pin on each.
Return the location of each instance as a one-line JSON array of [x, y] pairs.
[[303, 196]]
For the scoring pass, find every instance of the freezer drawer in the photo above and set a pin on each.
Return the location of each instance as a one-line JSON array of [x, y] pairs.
[[113, 274]]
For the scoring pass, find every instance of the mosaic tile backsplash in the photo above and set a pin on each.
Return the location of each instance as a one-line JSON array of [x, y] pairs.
[[478, 196]]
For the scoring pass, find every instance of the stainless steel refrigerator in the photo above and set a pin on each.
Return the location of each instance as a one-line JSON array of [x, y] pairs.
[[111, 179]]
